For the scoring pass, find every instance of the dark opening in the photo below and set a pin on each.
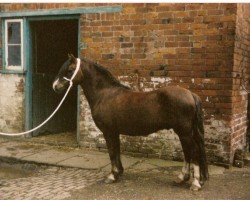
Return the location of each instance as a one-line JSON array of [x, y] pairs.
[[52, 40]]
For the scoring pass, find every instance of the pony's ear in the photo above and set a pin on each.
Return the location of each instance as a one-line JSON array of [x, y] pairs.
[[72, 58]]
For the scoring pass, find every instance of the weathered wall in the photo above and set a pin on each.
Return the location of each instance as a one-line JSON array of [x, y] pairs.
[[12, 117], [241, 80]]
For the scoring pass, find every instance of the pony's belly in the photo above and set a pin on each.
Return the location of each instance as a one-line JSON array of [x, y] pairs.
[[141, 131]]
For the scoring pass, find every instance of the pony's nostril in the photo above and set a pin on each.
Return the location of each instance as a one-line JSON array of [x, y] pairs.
[[55, 84], [54, 88]]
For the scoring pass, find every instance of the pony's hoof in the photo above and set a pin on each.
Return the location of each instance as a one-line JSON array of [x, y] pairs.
[[195, 188], [110, 179], [178, 181], [195, 185], [202, 183], [181, 180]]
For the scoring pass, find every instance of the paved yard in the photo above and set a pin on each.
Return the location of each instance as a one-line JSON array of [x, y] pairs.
[[43, 182], [40, 171], [146, 180], [159, 185]]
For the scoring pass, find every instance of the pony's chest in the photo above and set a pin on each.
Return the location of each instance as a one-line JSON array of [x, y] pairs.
[[102, 116]]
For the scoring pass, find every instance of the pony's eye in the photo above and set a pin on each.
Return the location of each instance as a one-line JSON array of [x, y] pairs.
[[69, 72]]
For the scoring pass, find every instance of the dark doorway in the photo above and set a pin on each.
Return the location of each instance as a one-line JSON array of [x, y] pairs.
[[51, 42]]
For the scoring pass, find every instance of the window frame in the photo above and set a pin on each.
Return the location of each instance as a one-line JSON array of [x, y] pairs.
[[11, 67]]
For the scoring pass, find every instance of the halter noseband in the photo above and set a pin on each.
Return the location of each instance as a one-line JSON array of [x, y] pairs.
[[78, 63]]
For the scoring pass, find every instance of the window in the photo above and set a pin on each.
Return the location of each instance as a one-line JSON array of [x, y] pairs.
[[14, 44]]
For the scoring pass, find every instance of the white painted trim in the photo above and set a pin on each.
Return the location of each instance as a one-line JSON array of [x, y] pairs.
[[18, 68]]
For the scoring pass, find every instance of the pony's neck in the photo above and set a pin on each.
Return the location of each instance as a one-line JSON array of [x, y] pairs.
[[90, 95], [96, 80], [92, 87]]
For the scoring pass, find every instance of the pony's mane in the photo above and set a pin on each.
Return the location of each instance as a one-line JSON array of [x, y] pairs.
[[106, 74]]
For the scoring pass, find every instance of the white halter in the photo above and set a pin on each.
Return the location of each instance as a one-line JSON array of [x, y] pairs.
[[78, 62]]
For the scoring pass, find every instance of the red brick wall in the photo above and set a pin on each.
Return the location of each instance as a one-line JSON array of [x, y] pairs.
[[193, 44], [241, 66], [181, 41]]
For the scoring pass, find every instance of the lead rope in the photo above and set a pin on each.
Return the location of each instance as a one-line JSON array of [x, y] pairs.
[[57, 108]]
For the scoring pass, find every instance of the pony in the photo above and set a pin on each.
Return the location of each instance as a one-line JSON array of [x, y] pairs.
[[116, 109]]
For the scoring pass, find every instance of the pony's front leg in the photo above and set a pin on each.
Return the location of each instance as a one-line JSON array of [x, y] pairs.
[[113, 144]]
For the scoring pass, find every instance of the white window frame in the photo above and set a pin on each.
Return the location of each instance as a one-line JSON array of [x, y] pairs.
[[7, 66]]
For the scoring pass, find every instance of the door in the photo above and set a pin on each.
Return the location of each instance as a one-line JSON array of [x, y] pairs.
[[52, 40]]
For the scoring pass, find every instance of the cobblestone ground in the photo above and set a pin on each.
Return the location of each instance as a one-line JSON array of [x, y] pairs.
[[50, 183]]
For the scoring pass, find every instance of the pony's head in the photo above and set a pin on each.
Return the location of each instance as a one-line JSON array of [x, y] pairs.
[[61, 82]]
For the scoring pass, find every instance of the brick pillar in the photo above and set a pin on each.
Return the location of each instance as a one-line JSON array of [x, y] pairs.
[[241, 66]]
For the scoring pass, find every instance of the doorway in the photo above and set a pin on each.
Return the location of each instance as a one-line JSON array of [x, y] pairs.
[[51, 41]]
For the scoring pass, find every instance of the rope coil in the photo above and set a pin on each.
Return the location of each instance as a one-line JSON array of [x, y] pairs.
[[57, 108]]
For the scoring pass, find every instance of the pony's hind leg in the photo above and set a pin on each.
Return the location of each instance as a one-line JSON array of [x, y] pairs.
[[196, 182], [190, 150], [184, 176], [113, 144]]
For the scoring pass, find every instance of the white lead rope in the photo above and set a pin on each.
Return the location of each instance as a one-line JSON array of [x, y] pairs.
[[57, 108]]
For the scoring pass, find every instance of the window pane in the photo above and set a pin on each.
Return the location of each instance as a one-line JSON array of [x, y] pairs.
[[14, 55], [14, 36]]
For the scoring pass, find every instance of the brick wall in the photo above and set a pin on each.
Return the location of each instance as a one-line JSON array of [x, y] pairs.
[[241, 66], [190, 44]]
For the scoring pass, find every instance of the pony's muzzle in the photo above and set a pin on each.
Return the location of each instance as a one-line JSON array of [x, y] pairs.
[[57, 86], [54, 84]]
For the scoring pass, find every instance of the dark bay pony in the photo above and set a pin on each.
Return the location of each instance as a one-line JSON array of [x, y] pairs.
[[116, 109]]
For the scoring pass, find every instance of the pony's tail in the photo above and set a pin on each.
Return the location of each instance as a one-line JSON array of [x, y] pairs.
[[198, 138]]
